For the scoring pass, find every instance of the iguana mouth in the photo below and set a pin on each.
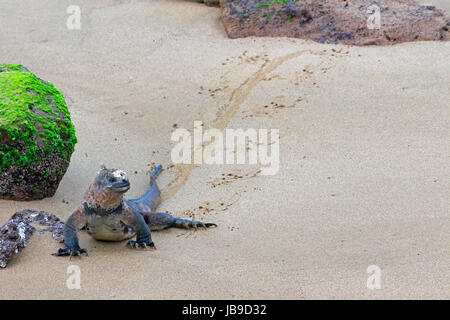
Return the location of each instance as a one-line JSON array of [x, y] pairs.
[[122, 186]]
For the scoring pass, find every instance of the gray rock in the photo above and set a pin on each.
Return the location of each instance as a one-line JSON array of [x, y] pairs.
[[17, 231]]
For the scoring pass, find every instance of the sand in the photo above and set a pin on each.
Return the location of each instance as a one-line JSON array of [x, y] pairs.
[[363, 177]]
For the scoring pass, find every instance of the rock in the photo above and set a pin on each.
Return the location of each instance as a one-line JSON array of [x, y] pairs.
[[15, 234], [335, 21], [37, 137]]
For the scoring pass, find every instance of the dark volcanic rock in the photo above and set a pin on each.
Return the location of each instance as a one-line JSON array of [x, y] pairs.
[[37, 137], [335, 21], [15, 234]]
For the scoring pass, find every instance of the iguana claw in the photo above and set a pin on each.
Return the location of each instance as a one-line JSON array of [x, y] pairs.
[[70, 252], [144, 245], [203, 224], [187, 224]]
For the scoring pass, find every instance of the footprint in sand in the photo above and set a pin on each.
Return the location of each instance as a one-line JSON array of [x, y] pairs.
[[237, 98]]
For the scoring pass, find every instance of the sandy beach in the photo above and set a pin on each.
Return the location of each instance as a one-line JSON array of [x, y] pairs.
[[364, 166]]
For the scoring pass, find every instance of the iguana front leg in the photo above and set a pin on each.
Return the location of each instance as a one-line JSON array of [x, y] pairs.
[[143, 233], [76, 221]]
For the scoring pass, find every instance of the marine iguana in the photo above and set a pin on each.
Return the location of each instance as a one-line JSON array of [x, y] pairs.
[[106, 215]]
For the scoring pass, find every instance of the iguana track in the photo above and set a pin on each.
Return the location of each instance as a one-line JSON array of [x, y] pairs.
[[238, 97]]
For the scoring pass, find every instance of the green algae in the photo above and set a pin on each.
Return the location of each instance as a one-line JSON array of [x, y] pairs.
[[34, 119], [267, 3]]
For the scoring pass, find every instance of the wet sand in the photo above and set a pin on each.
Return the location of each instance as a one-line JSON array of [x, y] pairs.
[[363, 177]]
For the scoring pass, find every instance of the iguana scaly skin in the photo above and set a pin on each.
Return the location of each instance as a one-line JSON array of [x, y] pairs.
[[106, 215]]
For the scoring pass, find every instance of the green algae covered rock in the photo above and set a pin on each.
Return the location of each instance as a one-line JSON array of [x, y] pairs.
[[37, 137]]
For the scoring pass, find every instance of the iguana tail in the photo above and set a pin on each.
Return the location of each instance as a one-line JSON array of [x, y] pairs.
[[148, 202], [155, 173]]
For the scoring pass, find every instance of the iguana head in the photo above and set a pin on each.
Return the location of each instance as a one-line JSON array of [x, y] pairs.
[[108, 189], [113, 180]]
